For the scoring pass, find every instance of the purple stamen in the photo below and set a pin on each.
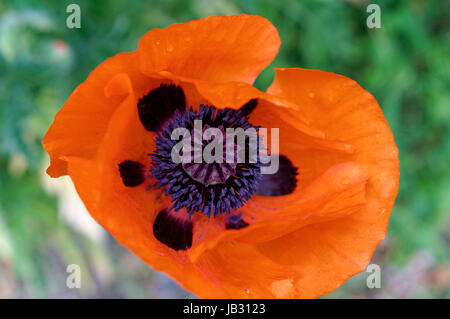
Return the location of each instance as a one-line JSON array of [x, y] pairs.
[[207, 187]]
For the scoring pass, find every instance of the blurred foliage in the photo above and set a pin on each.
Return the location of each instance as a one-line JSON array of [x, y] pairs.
[[405, 65]]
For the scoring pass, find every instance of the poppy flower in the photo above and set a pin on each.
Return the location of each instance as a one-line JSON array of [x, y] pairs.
[[230, 231]]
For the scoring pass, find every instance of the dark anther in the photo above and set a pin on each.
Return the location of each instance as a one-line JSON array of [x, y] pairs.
[[235, 222], [159, 105], [172, 230], [283, 182], [132, 173], [248, 107]]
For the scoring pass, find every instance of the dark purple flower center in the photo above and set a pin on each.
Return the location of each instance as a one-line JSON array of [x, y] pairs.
[[211, 173], [219, 171]]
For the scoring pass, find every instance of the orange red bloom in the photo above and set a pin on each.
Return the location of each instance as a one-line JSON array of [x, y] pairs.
[[301, 234]]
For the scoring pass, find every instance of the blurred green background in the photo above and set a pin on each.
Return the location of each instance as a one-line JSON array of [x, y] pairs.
[[405, 65]]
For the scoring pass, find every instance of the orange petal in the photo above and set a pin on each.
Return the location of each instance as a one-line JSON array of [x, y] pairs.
[[233, 48], [236, 270], [326, 254], [339, 192], [80, 125], [322, 262], [346, 112], [126, 212], [272, 111]]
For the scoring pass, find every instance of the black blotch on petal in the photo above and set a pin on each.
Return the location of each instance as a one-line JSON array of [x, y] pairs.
[[132, 173], [248, 107], [282, 182], [173, 231], [159, 104], [235, 222]]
